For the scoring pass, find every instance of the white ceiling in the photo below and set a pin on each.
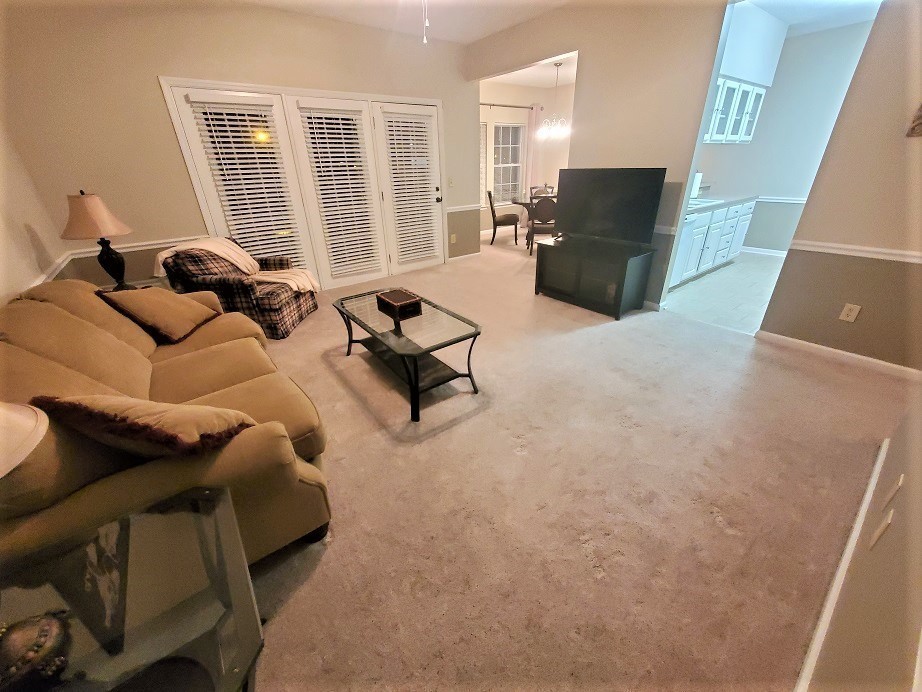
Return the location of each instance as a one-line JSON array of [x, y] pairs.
[[461, 21], [541, 75], [807, 16]]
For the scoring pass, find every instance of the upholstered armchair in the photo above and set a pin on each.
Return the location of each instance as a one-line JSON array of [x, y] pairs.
[[276, 307]]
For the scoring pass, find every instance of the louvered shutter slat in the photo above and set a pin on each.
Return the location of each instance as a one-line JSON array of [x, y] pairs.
[[336, 149], [409, 146], [242, 147]]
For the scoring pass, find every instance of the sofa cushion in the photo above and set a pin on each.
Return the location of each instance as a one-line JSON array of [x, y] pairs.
[[79, 299], [180, 379], [167, 316], [55, 334], [275, 397], [146, 428], [226, 327], [24, 375], [62, 463]]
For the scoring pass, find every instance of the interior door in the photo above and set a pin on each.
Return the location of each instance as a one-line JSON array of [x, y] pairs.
[[242, 159], [333, 144], [407, 145]]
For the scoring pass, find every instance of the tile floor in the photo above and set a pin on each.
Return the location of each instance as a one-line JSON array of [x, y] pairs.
[[735, 296]]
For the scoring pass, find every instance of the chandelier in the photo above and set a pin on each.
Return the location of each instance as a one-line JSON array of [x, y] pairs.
[[555, 128]]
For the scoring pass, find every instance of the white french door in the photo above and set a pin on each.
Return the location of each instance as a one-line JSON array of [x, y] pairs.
[[406, 138], [336, 160], [348, 188], [242, 155]]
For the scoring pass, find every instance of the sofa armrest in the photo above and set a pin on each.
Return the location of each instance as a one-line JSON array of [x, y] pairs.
[[207, 298], [273, 263], [74, 520]]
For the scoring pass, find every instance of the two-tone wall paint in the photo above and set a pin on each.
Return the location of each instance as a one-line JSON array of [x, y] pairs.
[[859, 240]]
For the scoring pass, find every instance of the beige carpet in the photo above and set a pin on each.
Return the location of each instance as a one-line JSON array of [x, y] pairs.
[[650, 503]]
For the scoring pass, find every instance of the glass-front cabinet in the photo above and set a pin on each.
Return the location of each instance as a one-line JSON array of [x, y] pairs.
[[736, 110]]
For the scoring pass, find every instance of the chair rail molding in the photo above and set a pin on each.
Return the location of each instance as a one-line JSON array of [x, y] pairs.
[[465, 207], [882, 253], [62, 261]]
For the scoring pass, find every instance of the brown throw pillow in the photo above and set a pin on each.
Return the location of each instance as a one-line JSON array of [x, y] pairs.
[[168, 317], [146, 428]]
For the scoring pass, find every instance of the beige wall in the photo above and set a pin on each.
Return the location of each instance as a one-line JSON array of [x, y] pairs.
[[800, 110], [85, 81], [862, 191], [865, 194], [551, 154], [643, 78]]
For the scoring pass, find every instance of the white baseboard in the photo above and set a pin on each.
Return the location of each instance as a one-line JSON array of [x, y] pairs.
[[832, 597], [764, 251], [462, 257], [847, 357], [650, 305], [665, 230]]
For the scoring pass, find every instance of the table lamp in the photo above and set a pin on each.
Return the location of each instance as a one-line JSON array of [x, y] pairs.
[[21, 429], [90, 218]]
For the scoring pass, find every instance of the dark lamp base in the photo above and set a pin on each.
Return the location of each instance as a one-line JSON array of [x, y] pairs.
[[113, 263]]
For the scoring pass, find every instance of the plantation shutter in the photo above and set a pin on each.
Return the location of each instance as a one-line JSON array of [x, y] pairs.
[[407, 141], [247, 172], [340, 187]]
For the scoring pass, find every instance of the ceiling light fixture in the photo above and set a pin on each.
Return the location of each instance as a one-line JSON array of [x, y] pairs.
[[555, 128], [425, 21]]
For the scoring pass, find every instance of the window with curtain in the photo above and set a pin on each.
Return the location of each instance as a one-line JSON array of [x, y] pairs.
[[483, 164], [508, 155]]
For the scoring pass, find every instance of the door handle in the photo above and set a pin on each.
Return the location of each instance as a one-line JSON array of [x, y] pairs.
[[438, 199]]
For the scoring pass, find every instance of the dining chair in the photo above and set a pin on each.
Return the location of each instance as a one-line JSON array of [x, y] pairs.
[[502, 220], [540, 190], [540, 220]]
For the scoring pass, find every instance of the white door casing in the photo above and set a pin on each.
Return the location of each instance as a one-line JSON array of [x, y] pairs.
[[335, 158], [407, 146], [235, 139]]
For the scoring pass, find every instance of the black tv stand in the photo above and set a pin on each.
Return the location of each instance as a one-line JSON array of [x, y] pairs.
[[603, 275]]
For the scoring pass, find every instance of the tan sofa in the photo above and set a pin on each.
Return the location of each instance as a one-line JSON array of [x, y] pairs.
[[60, 339]]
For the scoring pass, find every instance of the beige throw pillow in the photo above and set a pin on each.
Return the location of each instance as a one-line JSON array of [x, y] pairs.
[[146, 428], [168, 317]]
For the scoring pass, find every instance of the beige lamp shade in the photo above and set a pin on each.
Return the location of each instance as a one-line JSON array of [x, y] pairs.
[[91, 218], [21, 429]]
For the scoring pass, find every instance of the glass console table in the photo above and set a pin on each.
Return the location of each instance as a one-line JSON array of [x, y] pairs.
[[164, 589]]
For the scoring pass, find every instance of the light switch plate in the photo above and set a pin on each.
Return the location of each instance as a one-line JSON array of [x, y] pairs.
[[850, 312], [453, 238]]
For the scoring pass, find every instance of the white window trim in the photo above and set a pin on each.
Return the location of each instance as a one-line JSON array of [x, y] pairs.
[[523, 154], [168, 83]]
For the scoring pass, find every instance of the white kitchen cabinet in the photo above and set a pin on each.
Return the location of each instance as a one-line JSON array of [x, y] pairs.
[[689, 245], [711, 246], [736, 111], [696, 245], [753, 44], [739, 235], [739, 113], [756, 99], [727, 97], [709, 239]]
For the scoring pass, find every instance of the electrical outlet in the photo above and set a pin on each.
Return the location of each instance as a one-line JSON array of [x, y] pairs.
[[453, 238], [451, 182], [849, 312]]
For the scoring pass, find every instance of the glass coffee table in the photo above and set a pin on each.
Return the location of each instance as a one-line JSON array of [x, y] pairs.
[[407, 349]]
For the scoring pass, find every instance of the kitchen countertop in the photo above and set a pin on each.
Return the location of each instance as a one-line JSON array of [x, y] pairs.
[[712, 204]]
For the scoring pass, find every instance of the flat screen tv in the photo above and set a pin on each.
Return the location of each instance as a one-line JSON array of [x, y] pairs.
[[610, 203]]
